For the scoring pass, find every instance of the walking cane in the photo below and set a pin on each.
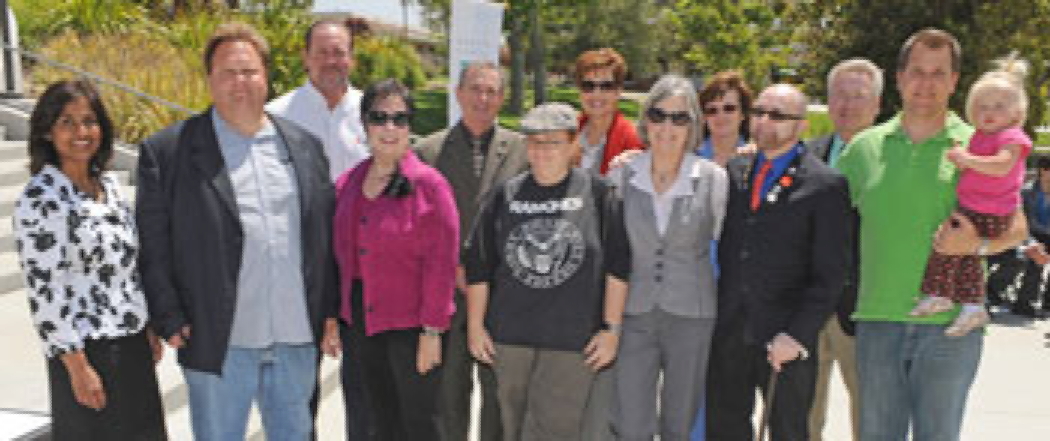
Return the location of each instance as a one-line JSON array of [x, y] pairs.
[[767, 404]]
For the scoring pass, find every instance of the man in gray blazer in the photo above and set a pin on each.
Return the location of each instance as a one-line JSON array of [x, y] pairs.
[[854, 92], [474, 155], [234, 210]]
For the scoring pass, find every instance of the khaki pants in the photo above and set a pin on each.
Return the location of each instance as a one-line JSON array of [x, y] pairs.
[[833, 345], [542, 393]]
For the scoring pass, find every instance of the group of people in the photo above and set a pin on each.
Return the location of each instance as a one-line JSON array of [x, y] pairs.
[[603, 280]]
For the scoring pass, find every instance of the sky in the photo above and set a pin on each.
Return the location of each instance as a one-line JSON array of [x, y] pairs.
[[386, 10]]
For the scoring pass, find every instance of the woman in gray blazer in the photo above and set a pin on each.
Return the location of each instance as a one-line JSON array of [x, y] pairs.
[[674, 203]]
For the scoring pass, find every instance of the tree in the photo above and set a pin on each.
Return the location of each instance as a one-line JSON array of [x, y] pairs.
[[840, 29], [638, 29], [730, 34]]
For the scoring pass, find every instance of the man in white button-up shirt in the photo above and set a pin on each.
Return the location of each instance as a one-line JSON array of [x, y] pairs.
[[327, 105], [329, 108]]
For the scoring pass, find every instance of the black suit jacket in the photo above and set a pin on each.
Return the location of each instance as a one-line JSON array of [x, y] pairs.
[[783, 266], [192, 240], [821, 148]]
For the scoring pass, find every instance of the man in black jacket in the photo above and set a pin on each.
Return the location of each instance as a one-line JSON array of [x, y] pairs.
[[234, 209], [783, 256]]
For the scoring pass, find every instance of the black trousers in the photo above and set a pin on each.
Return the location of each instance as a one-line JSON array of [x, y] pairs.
[[355, 400], [1009, 265], [133, 408], [402, 404], [735, 369]]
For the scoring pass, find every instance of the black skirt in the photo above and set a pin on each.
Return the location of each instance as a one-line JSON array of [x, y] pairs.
[[133, 407]]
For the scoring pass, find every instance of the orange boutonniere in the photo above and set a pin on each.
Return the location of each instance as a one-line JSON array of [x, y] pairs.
[[786, 181]]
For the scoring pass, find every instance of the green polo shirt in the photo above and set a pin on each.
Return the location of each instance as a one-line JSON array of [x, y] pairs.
[[903, 192]]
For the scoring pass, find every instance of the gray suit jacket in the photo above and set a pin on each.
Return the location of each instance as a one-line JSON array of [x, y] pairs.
[[674, 271], [505, 159]]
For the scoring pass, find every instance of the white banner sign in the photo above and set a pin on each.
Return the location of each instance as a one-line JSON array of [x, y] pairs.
[[476, 35]]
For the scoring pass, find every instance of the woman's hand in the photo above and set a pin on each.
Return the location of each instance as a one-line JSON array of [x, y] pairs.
[[623, 158], [480, 344], [86, 383], [601, 350], [155, 345], [331, 345], [428, 355]]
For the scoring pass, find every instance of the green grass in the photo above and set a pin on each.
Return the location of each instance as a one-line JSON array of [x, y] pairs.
[[819, 125]]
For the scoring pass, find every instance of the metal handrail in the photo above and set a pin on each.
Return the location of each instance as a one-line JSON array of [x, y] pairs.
[[99, 79]]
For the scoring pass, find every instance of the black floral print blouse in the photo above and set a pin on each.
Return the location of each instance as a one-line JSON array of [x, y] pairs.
[[79, 257]]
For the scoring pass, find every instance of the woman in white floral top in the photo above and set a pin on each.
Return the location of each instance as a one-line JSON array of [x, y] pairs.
[[78, 248]]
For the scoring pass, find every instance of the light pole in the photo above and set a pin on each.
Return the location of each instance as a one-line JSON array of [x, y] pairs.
[[10, 86]]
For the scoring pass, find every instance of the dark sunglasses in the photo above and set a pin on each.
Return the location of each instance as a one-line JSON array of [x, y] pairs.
[[377, 118], [774, 115], [657, 116], [726, 108], [589, 86]]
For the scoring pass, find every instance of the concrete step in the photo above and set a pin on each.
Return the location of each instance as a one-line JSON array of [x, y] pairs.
[[14, 150], [26, 389]]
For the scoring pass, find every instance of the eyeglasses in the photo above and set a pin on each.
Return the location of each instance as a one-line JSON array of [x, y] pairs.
[[774, 114], [657, 116], [726, 108], [377, 118], [589, 86]]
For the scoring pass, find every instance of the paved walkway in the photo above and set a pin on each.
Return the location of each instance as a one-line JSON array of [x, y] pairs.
[[1010, 401]]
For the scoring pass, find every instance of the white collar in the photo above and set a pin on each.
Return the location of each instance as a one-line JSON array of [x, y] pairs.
[[643, 175], [314, 94]]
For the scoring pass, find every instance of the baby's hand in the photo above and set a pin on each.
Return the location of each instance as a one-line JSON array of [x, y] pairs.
[[957, 155]]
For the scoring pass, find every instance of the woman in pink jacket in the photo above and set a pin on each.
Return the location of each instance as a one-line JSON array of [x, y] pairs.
[[396, 240]]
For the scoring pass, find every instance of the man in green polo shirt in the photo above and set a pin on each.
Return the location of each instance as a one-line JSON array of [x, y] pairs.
[[902, 185]]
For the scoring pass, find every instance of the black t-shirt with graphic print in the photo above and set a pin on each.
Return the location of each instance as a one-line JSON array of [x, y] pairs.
[[545, 252]]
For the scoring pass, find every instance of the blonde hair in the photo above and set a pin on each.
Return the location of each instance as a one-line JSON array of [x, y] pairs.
[[1008, 76]]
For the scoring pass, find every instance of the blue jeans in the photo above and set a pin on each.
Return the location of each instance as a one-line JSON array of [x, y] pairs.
[[913, 375], [281, 377]]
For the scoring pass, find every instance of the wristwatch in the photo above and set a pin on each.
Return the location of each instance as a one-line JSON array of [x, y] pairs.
[[614, 328], [431, 331]]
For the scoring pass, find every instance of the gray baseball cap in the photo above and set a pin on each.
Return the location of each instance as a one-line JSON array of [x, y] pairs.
[[549, 117]]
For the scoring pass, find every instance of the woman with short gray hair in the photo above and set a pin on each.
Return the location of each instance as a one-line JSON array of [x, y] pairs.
[[674, 203]]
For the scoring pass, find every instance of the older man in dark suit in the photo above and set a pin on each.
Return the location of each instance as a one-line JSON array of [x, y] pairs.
[[474, 155], [783, 255], [235, 218]]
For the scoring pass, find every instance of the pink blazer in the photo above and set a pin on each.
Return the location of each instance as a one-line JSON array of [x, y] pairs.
[[405, 250]]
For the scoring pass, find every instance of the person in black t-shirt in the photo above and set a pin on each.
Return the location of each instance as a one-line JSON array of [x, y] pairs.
[[547, 266]]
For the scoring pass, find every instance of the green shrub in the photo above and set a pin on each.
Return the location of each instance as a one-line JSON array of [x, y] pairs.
[[41, 20], [136, 43], [145, 63], [379, 58]]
